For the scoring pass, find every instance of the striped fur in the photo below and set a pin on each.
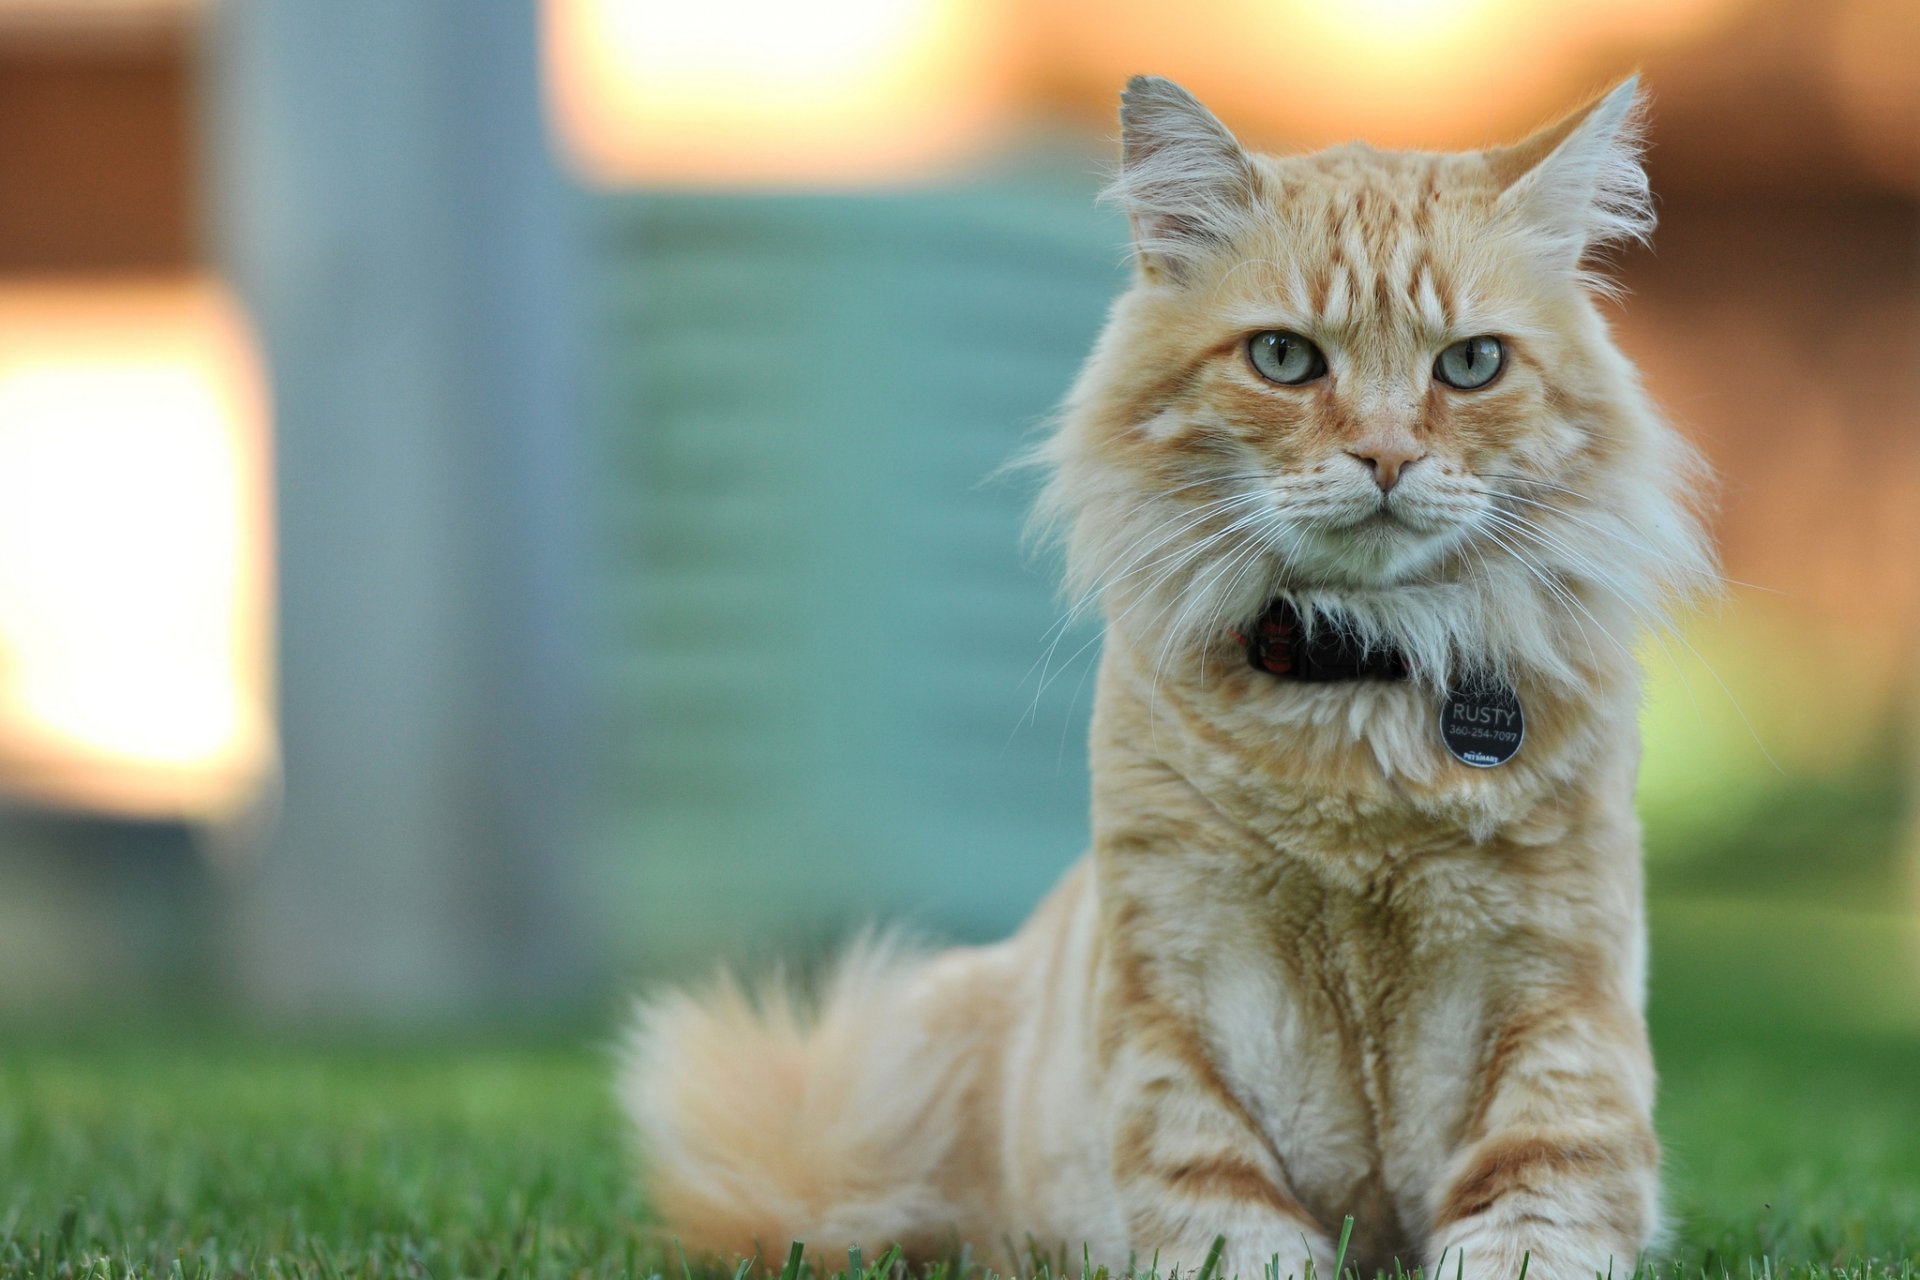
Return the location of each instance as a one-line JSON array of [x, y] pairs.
[[1313, 967]]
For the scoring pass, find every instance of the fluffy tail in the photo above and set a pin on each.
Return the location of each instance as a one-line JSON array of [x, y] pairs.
[[764, 1118]]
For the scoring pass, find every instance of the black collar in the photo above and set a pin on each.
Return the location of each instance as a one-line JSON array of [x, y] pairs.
[[1279, 645]]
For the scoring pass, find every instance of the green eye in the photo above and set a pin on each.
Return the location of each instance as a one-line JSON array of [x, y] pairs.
[[1470, 363], [1285, 358]]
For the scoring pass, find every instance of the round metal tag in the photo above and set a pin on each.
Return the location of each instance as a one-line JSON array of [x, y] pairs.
[[1482, 724]]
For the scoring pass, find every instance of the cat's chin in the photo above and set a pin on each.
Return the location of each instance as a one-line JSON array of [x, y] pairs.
[[1370, 554]]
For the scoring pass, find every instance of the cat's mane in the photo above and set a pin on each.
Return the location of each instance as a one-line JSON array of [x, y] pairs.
[[1620, 542]]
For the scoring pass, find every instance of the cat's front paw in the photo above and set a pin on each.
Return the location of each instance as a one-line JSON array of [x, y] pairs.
[[1507, 1254], [1308, 1256], [1260, 1255]]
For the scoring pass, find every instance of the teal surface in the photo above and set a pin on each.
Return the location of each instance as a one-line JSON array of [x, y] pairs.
[[820, 627]]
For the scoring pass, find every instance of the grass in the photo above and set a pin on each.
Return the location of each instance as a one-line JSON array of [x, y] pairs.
[[1787, 1027], [243, 1158], [1790, 1156]]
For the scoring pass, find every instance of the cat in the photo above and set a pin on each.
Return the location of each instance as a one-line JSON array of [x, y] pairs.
[[1355, 458]]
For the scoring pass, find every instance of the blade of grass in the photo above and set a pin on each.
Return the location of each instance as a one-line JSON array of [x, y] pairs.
[[1340, 1254]]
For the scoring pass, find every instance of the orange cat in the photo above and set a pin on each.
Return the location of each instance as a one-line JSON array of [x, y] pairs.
[[1373, 507]]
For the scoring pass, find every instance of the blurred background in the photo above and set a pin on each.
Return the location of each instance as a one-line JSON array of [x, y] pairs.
[[497, 502]]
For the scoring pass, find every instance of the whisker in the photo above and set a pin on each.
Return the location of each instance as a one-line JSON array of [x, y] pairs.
[[1559, 591], [1180, 560], [1653, 620], [1122, 568], [1675, 632], [1701, 570], [1219, 618], [1576, 559], [1249, 552], [1558, 594], [1590, 502], [1159, 534]]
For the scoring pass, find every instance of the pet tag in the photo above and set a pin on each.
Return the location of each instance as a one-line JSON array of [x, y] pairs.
[[1482, 725]]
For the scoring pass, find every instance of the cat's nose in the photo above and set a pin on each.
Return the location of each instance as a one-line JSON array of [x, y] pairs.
[[1386, 460]]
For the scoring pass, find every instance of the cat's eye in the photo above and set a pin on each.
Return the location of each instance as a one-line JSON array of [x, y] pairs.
[[1286, 358], [1470, 363]]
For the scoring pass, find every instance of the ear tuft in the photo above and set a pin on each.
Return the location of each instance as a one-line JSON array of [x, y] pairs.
[[1184, 181], [1578, 185]]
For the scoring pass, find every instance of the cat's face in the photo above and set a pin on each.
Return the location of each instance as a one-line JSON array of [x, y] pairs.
[[1364, 356], [1359, 371]]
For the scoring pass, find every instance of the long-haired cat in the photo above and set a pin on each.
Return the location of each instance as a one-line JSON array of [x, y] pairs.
[[1374, 508]]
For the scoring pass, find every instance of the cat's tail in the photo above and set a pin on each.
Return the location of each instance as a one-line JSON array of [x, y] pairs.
[[765, 1118]]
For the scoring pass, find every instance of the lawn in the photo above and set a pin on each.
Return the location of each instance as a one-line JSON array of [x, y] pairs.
[[209, 1156], [1787, 1023]]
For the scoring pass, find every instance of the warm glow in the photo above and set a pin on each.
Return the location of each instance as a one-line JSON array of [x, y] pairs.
[[1429, 73], [1874, 50], [767, 91], [1433, 73], [1423, 63], [651, 93], [132, 548]]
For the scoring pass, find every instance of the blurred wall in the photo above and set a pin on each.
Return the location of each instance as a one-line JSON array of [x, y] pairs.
[[829, 692], [645, 588], [382, 197]]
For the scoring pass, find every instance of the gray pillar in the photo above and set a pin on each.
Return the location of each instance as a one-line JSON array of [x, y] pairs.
[[382, 195]]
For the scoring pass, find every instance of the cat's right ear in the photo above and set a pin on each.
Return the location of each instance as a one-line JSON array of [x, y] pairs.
[[1184, 181]]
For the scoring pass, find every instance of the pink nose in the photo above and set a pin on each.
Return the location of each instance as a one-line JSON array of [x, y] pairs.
[[1386, 461]]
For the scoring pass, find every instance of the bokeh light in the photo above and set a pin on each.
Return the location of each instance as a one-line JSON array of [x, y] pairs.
[[704, 94], [133, 546]]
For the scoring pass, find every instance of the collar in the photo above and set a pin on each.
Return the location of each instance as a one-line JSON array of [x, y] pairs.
[[1279, 645]]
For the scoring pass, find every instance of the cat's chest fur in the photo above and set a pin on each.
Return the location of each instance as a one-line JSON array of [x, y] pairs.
[[1344, 912], [1349, 948], [1353, 1026]]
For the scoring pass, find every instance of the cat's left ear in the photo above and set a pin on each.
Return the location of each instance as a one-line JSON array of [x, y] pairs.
[[1577, 186]]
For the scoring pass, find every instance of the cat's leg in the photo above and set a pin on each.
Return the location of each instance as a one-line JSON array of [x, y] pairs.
[[1561, 1168], [1189, 1165]]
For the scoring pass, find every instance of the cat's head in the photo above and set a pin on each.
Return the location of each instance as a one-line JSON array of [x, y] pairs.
[[1377, 383]]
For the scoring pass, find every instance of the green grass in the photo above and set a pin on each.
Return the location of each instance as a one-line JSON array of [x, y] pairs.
[[1790, 1155], [1787, 1025], [234, 1158]]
